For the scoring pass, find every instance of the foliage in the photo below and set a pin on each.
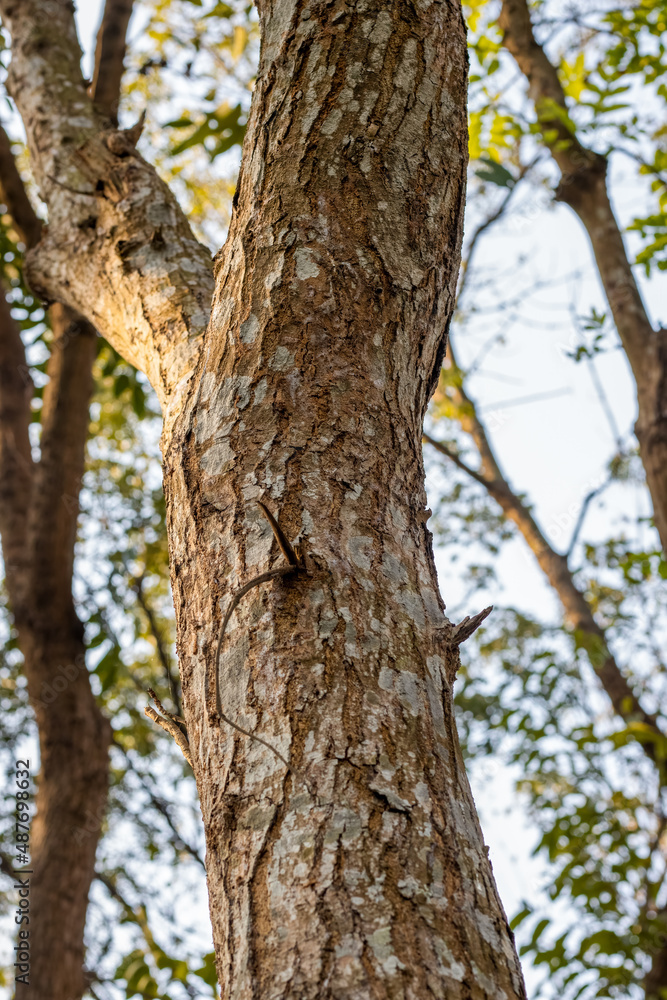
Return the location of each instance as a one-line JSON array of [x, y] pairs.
[[527, 693], [606, 59]]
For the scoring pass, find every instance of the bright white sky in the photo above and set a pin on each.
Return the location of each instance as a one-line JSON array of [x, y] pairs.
[[554, 449]]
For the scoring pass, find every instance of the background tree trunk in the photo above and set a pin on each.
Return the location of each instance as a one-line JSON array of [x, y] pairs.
[[39, 504], [583, 187]]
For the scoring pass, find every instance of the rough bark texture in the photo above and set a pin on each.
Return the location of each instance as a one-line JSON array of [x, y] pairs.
[[118, 248], [360, 871], [584, 188]]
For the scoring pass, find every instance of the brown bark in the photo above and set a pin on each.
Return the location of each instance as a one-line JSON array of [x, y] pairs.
[[16, 464], [110, 56], [583, 187], [74, 736], [358, 871], [334, 289], [118, 248]]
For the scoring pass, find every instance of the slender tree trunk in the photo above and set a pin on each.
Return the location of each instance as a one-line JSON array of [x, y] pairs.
[[38, 517], [73, 735], [583, 187], [71, 800], [344, 857]]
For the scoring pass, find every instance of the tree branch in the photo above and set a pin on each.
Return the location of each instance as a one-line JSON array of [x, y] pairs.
[[55, 503], [583, 187], [109, 57], [488, 222], [15, 197], [128, 259], [555, 567], [16, 465]]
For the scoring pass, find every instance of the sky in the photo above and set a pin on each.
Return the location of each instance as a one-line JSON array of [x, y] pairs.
[[555, 449]]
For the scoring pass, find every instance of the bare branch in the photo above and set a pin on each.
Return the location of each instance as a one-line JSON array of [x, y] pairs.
[[174, 731], [139, 275], [555, 567], [15, 196], [457, 460], [109, 56], [488, 222], [588, 499], [583, 187], [55, 503], [468, 626]]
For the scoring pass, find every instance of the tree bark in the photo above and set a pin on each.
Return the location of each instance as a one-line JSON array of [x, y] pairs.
[[358, 870], [42, 506], [583, 187]]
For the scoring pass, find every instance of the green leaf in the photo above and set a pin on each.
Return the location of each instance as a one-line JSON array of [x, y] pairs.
[[495, 173]]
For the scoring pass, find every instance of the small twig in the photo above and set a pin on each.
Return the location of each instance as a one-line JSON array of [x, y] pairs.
[[489, 221], [171, 724], [465, 629], [295, 564], [458, 461], [604, 403], [582, 514], [535, 397], [170, 715], [124, 141], [284, 545]]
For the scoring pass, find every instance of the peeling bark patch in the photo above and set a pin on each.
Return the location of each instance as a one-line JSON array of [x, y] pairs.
[[282, 360], [218, 459], [305, 265], [249, 329]]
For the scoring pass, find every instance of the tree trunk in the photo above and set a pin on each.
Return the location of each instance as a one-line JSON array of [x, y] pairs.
[[583, 187], [73, 735], [362, 871], [38, 515], [358, 870]]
